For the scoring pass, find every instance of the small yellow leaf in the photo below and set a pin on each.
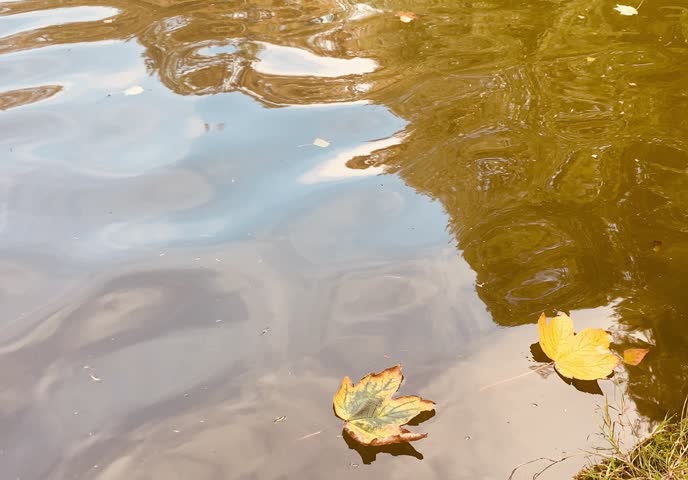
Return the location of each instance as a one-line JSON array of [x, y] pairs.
[[633, 356], [584, 356], [372, 416], [626, 10]]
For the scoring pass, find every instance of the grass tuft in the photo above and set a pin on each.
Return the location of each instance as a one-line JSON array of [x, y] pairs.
[[662, 456]]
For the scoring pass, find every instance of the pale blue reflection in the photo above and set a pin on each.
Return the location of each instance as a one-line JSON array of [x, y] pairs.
[[97, 172], [255, 162], [23, 22]]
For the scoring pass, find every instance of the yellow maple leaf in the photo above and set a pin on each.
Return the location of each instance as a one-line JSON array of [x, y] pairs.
[[372, 416], [585, 355]]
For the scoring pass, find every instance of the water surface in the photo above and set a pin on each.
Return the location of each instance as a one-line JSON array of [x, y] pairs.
[[181, 267]]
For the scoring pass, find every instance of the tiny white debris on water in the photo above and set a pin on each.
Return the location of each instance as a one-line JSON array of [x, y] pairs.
[[626, 10], [135, 90], [95, 379], [406, 17], [319, 142]]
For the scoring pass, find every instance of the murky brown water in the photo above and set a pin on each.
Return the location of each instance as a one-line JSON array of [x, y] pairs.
[[181, 267]]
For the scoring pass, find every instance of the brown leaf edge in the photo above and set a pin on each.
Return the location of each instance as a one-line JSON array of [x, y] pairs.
[[405, 436]]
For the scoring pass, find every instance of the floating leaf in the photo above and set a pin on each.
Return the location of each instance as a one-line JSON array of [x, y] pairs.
[[626, 10], [372, 416], [406, 17], [633, 356], [584, 356], [319, 142], [135, 90]]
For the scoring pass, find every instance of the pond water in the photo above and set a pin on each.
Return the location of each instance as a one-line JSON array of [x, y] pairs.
[[186, 277]]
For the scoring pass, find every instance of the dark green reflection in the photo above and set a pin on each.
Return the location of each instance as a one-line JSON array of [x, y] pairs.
[[555, 137]]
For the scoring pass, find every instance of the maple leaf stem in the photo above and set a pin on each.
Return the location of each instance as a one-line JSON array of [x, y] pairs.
[[313, 434], [310, 435], [506, 380]]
